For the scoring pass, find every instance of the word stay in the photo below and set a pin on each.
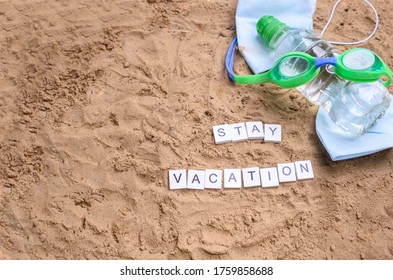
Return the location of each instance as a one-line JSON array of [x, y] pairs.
[[238, 132]]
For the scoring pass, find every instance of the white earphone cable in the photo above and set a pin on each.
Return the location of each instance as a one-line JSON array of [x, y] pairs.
[[352, 43]]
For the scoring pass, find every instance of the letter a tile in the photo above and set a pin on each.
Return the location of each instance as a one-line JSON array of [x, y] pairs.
[[255, 130], [196, 179], [232, 178]]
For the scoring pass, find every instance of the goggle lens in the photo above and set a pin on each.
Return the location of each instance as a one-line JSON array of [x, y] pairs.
[[293, 66], [359, 60]]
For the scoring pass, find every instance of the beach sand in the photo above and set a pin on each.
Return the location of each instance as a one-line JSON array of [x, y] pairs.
[[99, 99]]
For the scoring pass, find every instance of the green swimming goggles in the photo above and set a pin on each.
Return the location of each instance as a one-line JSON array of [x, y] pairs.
[[357, 65]]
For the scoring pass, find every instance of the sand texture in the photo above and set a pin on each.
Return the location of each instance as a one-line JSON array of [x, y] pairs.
[[99, 99]]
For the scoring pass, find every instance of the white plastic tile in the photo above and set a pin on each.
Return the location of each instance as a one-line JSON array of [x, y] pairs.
[[177, 179], [286, 172], [222, 134], [232, 178], [238, 132], [273, 133], [269, 177], [196, 179], [304, 170], [251, 177], [213, 179], [255, 130]]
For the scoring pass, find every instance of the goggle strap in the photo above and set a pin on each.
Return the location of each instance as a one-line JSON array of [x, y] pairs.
[[253, 79], [247, 79], [229, 60], [388, 74]]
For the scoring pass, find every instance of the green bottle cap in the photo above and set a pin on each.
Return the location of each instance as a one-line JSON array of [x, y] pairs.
[[269, 28]]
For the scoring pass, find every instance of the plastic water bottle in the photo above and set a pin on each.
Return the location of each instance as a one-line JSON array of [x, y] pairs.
[[355, 107]]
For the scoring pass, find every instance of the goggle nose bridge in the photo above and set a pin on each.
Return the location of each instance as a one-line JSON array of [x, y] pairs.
[[319, 62]]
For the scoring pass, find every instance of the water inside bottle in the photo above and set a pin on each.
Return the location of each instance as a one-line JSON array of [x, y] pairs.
[[359, 106]]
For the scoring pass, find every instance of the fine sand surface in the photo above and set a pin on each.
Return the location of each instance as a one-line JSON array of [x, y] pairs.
[[99, 99]]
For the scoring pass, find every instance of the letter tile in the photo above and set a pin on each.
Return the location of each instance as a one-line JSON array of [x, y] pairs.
[[251, 177], [213, 179], [255, 130], [269, 177], [232, 178], [196, 179], [286, 172], [177, 179], [238, 132], [222, 134], [304, 170], [273, 133]]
